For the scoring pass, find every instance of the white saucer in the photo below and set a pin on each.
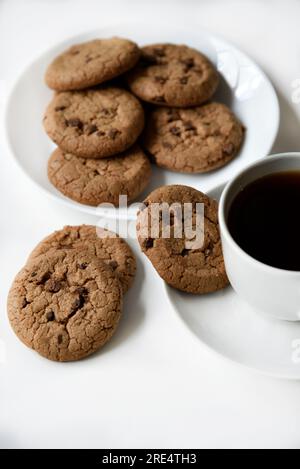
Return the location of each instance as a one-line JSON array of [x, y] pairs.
[[228, 326], [245, 88]]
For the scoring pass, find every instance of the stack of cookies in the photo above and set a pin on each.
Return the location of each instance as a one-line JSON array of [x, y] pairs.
[[66, 302], [184, 132], [95, 124], [96, 117]]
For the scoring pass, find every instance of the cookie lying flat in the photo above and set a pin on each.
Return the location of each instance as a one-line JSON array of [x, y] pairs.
[[95, 181], [65, 305], [199, 270], [95, 123], [91, 63], [194, 140], [99, 242], [173, 75]]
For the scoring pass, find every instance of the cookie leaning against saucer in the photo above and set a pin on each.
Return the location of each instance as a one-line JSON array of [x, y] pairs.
[[194, 140], [65, 305], [99, 242], [95, 123], [199, 270], [91, 63], [173, 75], [95, 181]]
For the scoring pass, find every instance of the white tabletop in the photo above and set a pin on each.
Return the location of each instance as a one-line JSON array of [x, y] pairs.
[[153, 385]]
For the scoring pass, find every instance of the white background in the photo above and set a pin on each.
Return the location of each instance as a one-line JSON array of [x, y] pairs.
[[153, 385]]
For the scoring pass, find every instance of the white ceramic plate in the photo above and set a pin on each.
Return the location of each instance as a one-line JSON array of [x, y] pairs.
[[245, 88], [228, 326]]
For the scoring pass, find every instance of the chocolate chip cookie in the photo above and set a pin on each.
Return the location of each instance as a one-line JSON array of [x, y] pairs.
[[91, 63], [194, 140], [95, 123], [96, 181], [186, 253], [173, 75], [99, 242], [65, 304]]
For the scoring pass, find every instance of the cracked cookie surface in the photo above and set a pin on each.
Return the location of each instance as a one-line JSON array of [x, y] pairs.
[[199, 270], [95, 123], [95, 181], [91, 63], [195, 140], [99, 242], [65, 305], [173, 75]]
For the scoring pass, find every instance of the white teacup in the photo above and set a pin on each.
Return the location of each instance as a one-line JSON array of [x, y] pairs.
[[276, 292]]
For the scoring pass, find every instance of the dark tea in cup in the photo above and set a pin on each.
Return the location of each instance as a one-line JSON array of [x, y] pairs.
[[264, 220]]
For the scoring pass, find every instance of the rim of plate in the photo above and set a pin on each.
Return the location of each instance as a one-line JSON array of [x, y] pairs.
[[131, 213], [205, 345]]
